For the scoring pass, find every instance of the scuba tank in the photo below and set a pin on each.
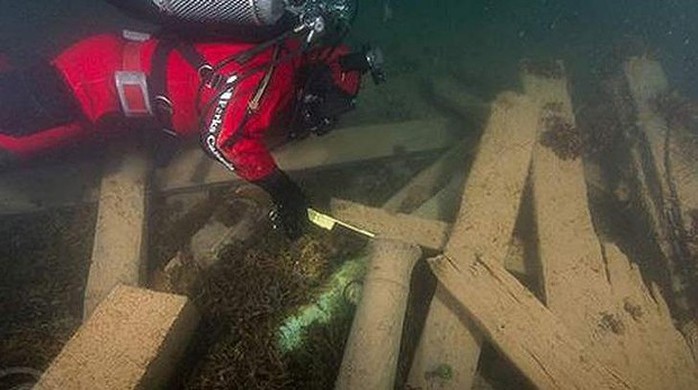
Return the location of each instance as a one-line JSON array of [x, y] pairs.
[[245, 20], [229, 12]]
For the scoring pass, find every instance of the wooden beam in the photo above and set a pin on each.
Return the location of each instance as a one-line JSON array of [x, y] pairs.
[[373, 347], [344, 146], [118, 254], [133, 340], [487, 216], [569, 248], [41, 188], [520, 326], [424, 232]]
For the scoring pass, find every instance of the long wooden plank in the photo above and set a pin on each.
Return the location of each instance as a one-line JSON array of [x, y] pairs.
[[569, 249], [118, 254], [487, 216], [343, 146], [133, 341], [520, 326], [40, 188]]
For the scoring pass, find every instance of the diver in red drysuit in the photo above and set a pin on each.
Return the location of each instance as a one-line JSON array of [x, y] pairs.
[[228, 94]]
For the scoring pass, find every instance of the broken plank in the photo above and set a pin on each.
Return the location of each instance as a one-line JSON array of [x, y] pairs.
[[133, 340], [344, 146], [636, 332], [424, 232], [119, 249], [520, 326], [486, 220], [373, 346]]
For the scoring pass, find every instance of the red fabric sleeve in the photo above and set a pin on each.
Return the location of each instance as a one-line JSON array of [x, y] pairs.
[[241, 140]]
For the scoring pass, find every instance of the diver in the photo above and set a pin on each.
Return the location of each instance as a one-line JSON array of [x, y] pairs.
[[230, 93]]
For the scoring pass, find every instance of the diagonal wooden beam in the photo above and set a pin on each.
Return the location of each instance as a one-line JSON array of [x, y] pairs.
[[119, 249], [488, 212], [520, 326]]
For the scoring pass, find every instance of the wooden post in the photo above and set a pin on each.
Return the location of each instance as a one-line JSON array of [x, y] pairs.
[[371, 355], [118, 255], [487, 216]]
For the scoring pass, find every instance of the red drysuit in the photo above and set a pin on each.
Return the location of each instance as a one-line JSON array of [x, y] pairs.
[[233, 123]]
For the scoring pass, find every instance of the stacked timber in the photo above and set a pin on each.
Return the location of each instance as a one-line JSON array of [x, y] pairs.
[[596, 325]]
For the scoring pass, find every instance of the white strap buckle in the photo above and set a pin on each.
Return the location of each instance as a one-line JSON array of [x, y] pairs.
[[130, 80]]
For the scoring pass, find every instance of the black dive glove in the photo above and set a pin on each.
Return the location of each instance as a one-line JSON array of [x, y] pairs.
[[291, 205]]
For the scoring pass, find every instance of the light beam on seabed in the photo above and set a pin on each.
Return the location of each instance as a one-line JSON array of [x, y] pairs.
[[292, 331]]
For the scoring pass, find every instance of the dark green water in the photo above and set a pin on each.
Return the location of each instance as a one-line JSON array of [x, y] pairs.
[[504, 29]]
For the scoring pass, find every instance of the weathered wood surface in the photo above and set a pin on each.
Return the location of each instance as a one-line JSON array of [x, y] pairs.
[[343, 146], [133, 340], [427, 233], [572, 263], [593, 290], [520, 326], [119, 249], [487, 215], [373, 347]]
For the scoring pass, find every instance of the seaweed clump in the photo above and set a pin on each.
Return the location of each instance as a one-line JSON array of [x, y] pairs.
[[244, 299], [561, 136], [44, 262]]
